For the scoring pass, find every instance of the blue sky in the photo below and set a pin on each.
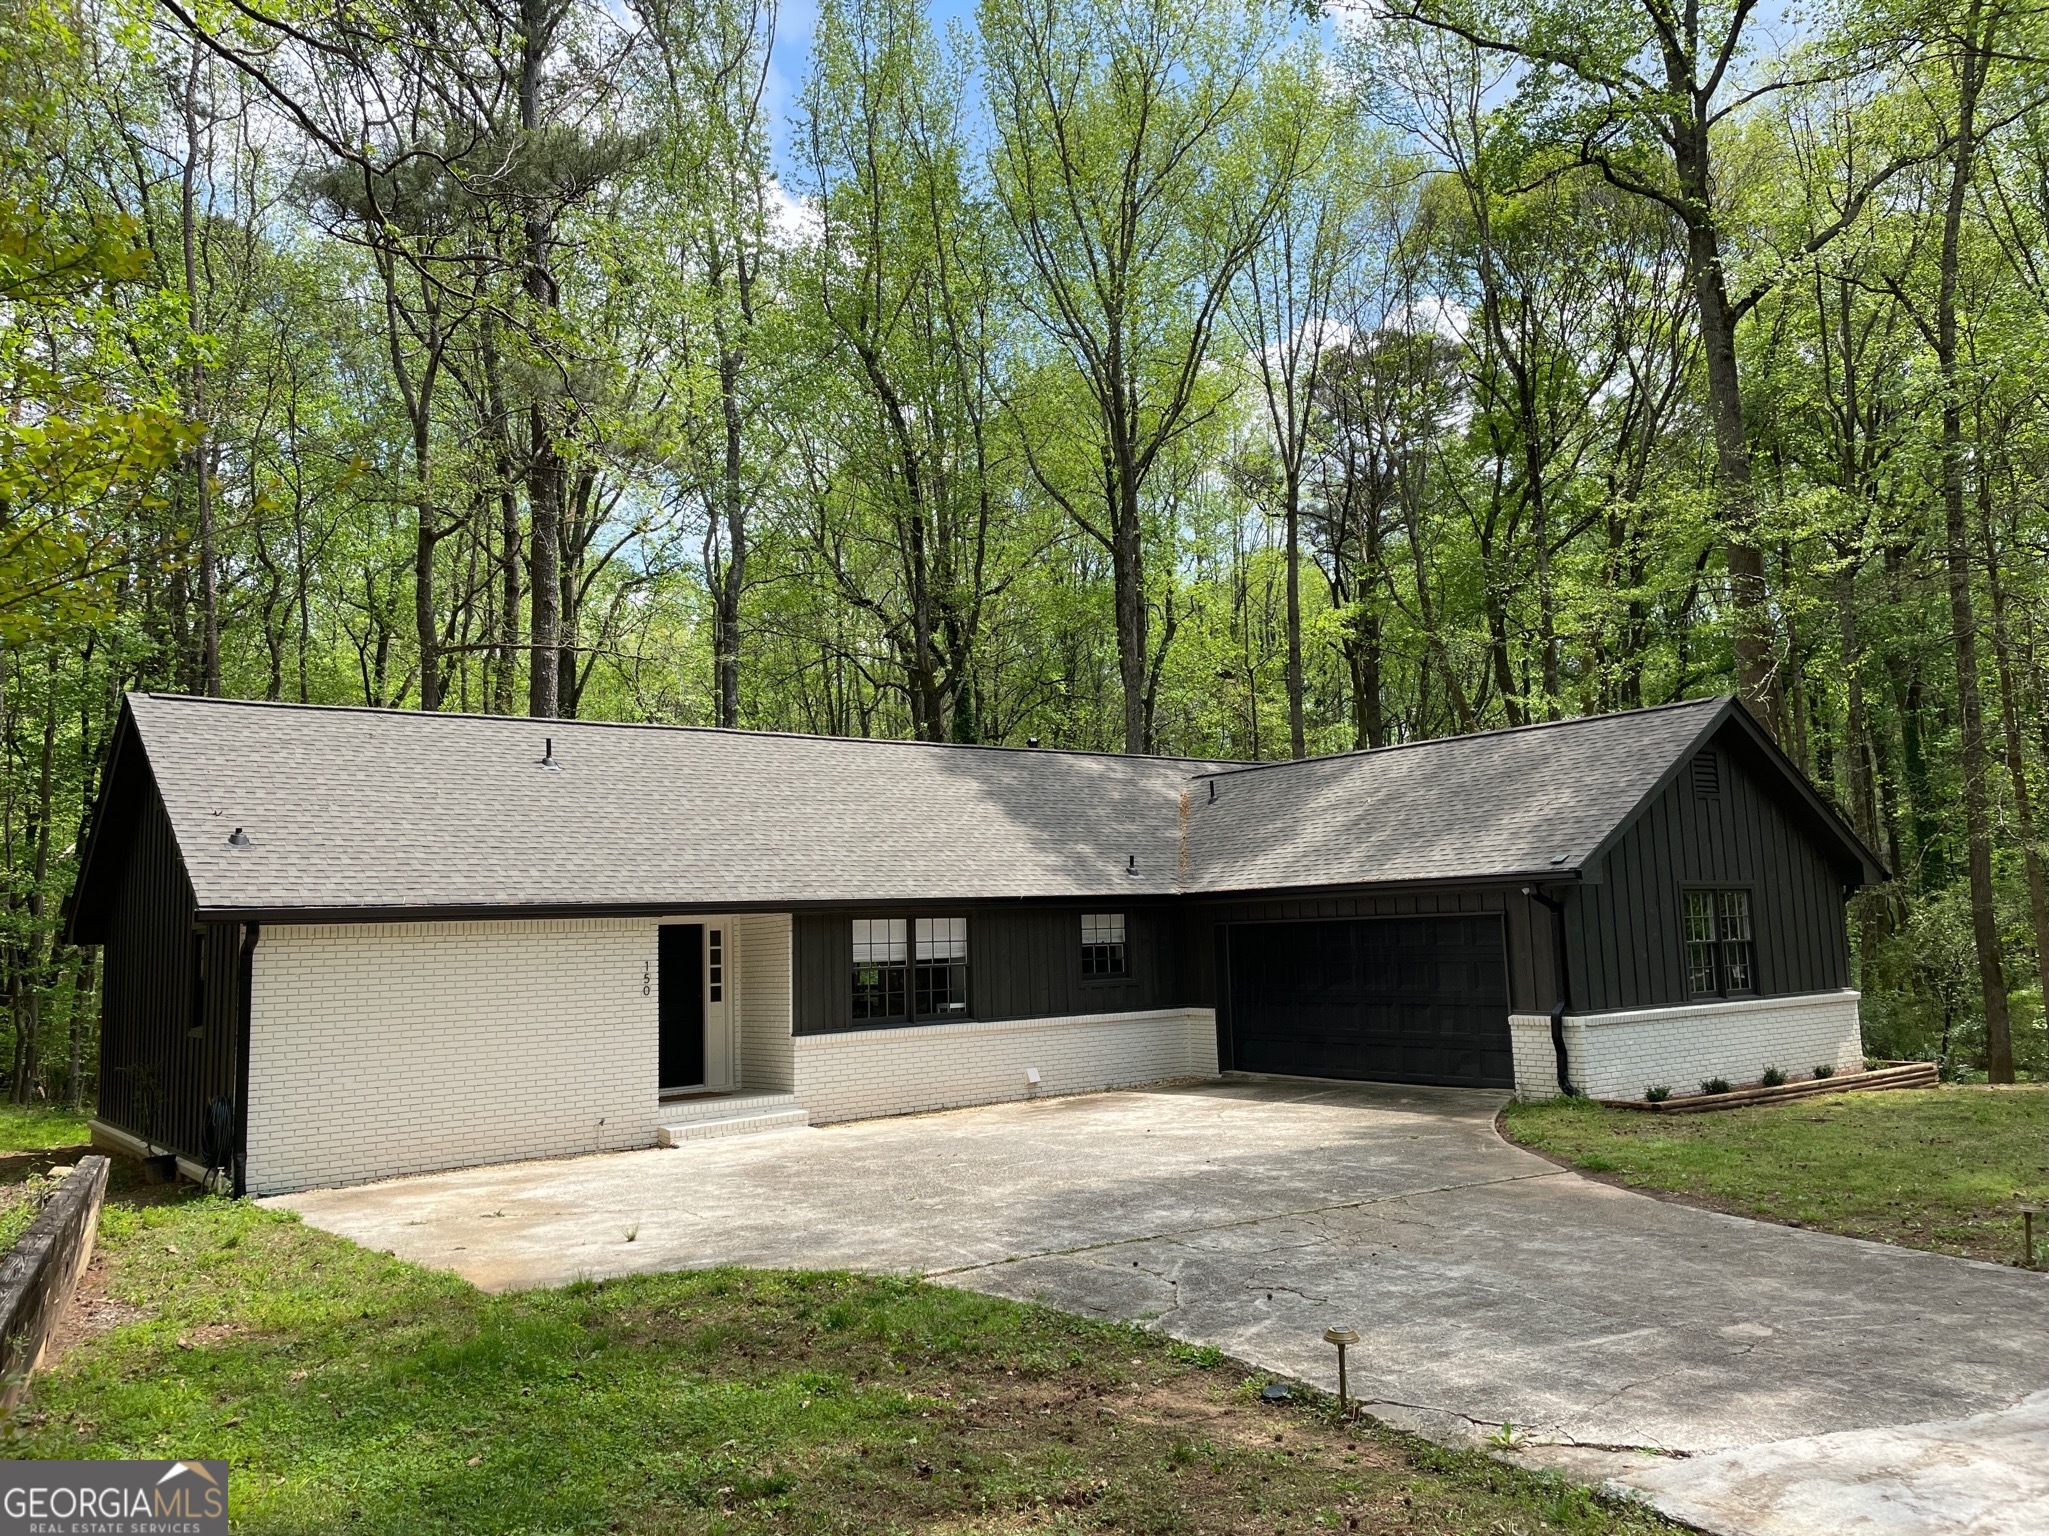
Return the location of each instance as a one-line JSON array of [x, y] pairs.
[[794, 22]]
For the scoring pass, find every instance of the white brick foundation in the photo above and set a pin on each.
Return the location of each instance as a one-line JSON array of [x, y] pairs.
[[859, 1073], [1619, 1055], [389, 1048]]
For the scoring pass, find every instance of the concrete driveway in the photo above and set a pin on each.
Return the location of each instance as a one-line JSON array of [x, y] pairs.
[[1489, 1286]]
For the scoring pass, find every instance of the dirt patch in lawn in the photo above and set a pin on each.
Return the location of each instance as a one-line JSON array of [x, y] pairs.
[[92, 1312]]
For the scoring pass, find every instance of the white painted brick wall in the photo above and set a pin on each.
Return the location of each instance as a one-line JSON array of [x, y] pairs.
[[1536, 1059], [766, 1057], [1619, 1055], [380, 1049], [389, 1048], [860, 1073]]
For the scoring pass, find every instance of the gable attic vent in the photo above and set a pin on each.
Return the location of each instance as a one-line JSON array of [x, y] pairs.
[[1707, 776]]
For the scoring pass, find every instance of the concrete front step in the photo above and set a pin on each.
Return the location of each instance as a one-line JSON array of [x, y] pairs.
[[723, 1106], [673, 1133]]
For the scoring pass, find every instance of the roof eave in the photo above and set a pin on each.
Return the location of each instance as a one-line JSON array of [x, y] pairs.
[[1486, 880], [472, 912], [73, 926]]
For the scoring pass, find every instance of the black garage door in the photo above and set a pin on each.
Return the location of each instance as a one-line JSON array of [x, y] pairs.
[[1396, 999]]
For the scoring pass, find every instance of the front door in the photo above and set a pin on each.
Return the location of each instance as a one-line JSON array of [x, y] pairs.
[[681, 947]]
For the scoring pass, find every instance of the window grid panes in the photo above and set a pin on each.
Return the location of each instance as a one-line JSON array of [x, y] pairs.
[[715, 963], [1738, 949], [1721, 947], [907, 969], [879, 968], [942, 971], [1102, 944]]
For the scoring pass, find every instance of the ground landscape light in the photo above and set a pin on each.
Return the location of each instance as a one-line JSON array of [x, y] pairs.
[[1341, 1337]]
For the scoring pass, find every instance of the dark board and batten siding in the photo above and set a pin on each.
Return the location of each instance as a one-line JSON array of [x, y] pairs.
[[1023, 963], [172, 998], [1625, 935]]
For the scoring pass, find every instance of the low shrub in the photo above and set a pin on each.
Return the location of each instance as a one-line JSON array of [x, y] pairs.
[[1714, 1085], [1824, 1070], [1773, 1077], [1657, 1095]]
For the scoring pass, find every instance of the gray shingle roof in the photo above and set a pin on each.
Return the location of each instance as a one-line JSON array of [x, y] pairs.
[[357, 808], [1536, 800], [360, 809]]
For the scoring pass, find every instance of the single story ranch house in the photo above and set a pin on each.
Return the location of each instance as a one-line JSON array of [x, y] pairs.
[[343, 944]]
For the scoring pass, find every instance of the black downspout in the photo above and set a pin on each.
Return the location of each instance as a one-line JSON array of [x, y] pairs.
[[1559, 1008], [246, 993]]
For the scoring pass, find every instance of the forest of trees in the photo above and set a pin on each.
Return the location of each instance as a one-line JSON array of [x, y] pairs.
[[1192, 376]]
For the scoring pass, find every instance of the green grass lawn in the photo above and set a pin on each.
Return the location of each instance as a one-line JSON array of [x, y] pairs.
[[32, 1128], [1941, 1168], [350, 1391], [31, 1140]]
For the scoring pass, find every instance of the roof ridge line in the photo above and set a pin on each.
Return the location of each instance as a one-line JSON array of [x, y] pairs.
[[656, 725], [1440, 741]]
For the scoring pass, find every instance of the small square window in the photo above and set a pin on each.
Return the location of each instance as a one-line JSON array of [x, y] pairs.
[[1102, 944]]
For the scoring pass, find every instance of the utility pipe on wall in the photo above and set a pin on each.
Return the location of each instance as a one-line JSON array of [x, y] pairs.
[[1564, 1004]]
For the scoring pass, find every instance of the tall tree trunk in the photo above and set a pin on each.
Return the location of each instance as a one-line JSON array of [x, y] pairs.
[[1127, 563], [544, 500], [1298, 739], [426, 631], [1748, 594], [202, 449], [2016, 754], [1540, 536], [544, 458], [498, 427], [426, 535], [83, 1000], [33, 944], [1854, 755], [1963, 623], [1372, 639], [731, 575]]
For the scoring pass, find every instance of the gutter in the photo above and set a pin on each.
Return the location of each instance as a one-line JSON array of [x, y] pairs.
[[245, 987], [1564, 1003]]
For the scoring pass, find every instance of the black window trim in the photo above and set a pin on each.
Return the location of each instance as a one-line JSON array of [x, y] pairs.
[[1120, 977], [1722, 988], [911, 1017]]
